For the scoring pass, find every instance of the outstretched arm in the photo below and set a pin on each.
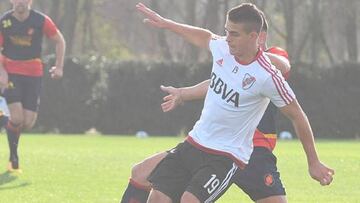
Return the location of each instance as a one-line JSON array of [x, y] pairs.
[[195, 35], [177, 96], [317, 170]]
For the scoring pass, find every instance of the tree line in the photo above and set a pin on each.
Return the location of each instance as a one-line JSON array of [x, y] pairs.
[[317, 32]]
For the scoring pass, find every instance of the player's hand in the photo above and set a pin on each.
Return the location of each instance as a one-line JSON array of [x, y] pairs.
[[56, 73], [172, 100], [152, 18], [321, 173]]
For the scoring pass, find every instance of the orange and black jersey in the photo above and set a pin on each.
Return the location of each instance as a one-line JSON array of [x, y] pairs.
[[22, 40], [265, 134]]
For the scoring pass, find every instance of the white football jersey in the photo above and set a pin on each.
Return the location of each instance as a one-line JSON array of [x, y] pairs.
[[236, 101]]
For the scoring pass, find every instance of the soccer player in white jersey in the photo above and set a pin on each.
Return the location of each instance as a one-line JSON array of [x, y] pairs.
[[251, 180], [203, 164]]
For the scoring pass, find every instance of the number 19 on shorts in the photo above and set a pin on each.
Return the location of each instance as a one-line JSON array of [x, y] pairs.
[[212, 184]]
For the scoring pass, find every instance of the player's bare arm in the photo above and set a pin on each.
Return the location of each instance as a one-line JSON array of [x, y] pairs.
[[317, 170], [195, 35], [279, 62], [57, 71], [177, 96]]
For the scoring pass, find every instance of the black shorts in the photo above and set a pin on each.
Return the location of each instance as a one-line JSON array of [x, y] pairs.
[[24, 89], [260, 178], [186, 168]]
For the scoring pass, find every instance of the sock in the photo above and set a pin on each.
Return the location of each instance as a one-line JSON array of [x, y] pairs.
[[135, 193], [13, 134]]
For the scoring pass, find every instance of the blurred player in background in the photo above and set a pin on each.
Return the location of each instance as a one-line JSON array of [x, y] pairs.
[[21, 35]]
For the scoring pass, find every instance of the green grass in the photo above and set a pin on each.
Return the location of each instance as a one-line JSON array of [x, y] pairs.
[[96, 169]]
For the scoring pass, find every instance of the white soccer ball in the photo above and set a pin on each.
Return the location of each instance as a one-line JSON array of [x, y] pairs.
[[286, 135], [141, 134]]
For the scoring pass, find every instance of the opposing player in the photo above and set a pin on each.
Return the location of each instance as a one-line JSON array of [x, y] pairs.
[[138, 188], [21, 35]]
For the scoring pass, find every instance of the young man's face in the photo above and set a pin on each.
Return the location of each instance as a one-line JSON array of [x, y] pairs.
[[238, 39], [21, 6]]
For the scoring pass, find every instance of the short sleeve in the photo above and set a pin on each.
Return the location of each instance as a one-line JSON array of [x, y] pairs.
[[49, 27], [277, 89], [280, 52], [218, 46], [213, 44]]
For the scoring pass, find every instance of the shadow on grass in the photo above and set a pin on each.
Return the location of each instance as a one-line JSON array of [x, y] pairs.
[[8, 177]]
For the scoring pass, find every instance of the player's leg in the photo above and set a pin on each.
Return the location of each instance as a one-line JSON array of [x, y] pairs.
[[30, 100], [13, 98], [260, 179], [23, 98], [138, 188], [29, 119], [211, 176], [158, 197], [20, 119], [13, 130], [273, 199], [170, 177], [189, 198]]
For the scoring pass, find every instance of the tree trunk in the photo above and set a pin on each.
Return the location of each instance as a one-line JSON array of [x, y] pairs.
[[88, 31], [55, 11], [69, 23], [192, 53], [289, 13], [211, 17], [316, 32], [351, 31], [164, 46]]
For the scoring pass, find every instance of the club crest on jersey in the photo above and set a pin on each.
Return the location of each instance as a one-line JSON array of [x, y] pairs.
[[248, 81], [269, 180], [220, 62]]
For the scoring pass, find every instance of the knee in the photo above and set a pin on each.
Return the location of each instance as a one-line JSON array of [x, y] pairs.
[[138, 174], [157, 196], [16, 120], [28, 125], [187, 197]]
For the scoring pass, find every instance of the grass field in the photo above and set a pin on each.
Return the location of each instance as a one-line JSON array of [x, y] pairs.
[[96, 169]]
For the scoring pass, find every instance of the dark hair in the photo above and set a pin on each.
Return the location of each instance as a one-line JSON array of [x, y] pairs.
[[248, 14], [265, 23]]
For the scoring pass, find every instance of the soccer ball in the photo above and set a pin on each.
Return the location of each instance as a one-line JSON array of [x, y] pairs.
[[141, 134], [285, 135]]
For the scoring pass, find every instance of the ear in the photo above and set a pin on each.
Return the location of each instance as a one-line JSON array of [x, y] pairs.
[[262, 37], [254, 35]]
